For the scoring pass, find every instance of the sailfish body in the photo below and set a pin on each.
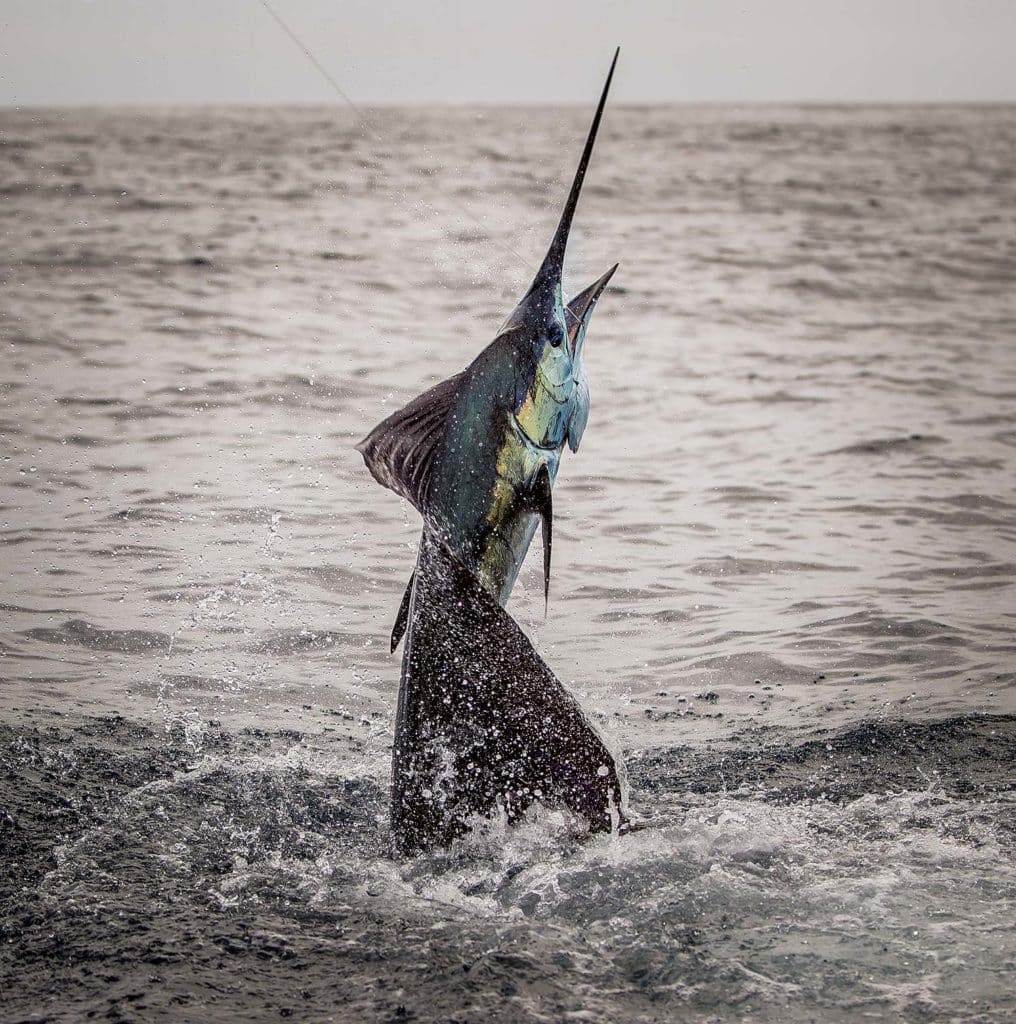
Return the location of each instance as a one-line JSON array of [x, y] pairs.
[[499, 456], [482, 722]]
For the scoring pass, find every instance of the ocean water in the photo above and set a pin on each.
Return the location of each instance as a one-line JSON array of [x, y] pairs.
[[784, 579]]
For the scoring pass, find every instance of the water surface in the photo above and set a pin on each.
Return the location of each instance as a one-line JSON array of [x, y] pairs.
[[783, 581]]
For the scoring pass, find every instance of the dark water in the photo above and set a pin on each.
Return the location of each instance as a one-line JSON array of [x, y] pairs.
[[869, 877], [784, 563]]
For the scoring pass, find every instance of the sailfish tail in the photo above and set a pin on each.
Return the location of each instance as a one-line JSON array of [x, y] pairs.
[[482, 722]]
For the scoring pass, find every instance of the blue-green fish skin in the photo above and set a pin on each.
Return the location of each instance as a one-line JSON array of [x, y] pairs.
[[521, 405], [478, 454], [564, 407]]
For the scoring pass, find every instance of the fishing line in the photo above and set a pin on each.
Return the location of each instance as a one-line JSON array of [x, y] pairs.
[[369, 130], [310, 56]]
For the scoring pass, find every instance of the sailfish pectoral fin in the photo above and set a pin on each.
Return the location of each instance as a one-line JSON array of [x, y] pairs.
[[543, 506], [483, 724]]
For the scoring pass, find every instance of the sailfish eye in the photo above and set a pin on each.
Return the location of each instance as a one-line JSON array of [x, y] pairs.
[[555, 335]]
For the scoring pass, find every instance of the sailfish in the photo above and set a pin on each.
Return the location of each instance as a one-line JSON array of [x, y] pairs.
[[483, 726]]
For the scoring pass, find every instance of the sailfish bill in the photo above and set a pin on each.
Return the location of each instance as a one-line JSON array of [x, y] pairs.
[[549, 275], [483, 723]]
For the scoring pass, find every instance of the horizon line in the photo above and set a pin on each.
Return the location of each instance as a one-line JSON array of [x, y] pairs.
[[492, 105]]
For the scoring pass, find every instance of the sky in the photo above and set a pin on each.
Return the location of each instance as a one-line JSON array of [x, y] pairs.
[[62, 52]]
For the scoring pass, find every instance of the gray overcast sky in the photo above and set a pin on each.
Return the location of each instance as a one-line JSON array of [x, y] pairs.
[[513, 51]]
